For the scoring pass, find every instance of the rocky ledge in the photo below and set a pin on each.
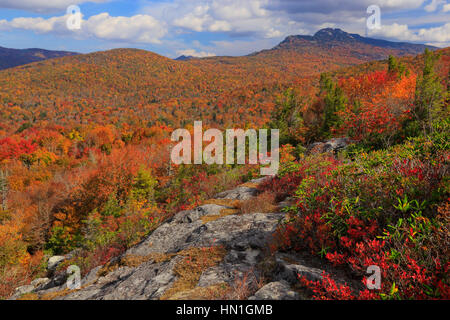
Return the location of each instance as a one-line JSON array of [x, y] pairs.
[[210, 252]]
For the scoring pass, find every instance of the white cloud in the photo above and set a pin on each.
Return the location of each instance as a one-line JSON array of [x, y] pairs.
[[194, 53], [39, 25], [397, 4], [439, 36], [194, 20], [274, 19], [433, 5], [235, 17], [397, 31], [135, 29], [42, 6], [220, 25], [438, 44], [251, 24], [138, 28], [241, 47], [239, 10], [335, 6]]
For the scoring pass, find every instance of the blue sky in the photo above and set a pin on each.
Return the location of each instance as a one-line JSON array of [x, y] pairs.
[[211, 27]]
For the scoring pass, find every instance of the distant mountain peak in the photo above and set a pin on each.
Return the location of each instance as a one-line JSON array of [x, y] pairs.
[[332, 37], [10, 58], [184, 58], [330, 34]]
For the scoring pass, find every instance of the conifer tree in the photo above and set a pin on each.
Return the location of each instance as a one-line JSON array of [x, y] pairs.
[[428, 105], [334, 101]]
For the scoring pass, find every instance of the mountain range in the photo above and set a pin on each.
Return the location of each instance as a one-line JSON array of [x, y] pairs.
[[86, 172], [354, 45], [10, 58], [330, 38], [122, 78]]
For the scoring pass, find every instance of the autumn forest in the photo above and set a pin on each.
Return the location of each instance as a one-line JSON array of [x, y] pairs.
[[85, 163]]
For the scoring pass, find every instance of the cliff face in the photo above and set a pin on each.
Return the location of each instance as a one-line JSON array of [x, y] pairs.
[[210, 252]]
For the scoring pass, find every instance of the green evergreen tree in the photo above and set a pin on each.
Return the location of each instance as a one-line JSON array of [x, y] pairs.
[[334, 101], [144, 186], [394, 66], [429, 98], [112, 207], [287, 116]]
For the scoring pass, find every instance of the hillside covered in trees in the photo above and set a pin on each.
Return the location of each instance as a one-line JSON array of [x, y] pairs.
[[85, 157]]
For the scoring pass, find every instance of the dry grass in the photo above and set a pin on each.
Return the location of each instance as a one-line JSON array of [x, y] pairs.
[[223, 213], [189, 270], [62, 293], [224, 202], [245, 286], [196, 261], [51, 295], [133, 261], [214, 292], [242, 288], [263, 203], [250, 185], [29, 296], [56, 294]]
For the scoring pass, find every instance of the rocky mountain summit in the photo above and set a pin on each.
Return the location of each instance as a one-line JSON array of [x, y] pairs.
[[211, 252], [330, 37]]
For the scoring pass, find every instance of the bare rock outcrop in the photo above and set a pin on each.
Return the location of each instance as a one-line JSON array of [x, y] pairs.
[[332, 145], [197, 254]]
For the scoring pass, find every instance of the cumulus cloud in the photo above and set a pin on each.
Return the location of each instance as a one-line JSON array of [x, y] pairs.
[[334, 6], [439, 36], [39, 25], [42, 6], [274, 19], [235, 17], [242, 47], [249, 25], [348, 15], [194, 53], [138, 28], [433, 5]]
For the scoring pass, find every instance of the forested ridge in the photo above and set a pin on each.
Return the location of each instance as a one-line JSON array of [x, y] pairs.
[[85, 148]]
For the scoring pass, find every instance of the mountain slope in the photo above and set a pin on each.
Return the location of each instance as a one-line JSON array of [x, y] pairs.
[[301, 56], [331, 38], [80, 127], [184, 58], [225, 91], [10, 58]]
